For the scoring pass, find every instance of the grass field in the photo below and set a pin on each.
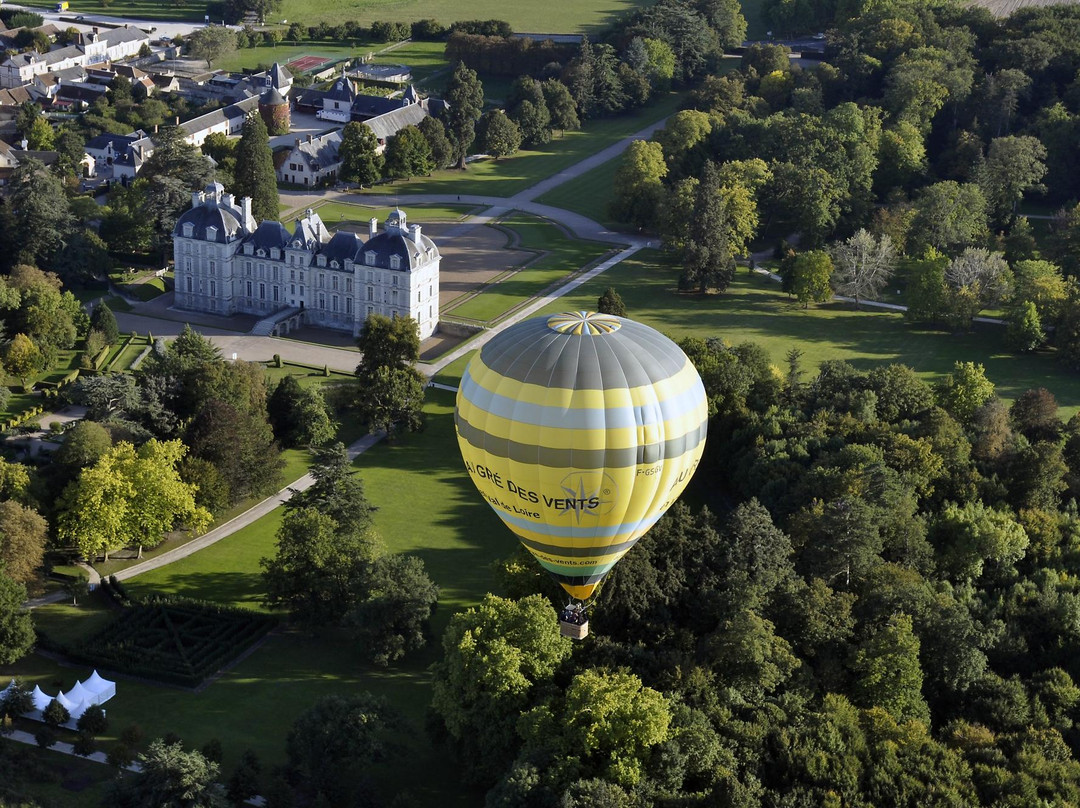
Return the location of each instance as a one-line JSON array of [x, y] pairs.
[[567, 17], [561, 256], [590, 194], [510, 175], [339, 214]]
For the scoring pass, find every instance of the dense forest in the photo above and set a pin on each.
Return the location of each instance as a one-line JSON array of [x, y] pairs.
[[878, 607]]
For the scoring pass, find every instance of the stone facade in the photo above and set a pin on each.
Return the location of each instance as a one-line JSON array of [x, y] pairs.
[[226, 264]]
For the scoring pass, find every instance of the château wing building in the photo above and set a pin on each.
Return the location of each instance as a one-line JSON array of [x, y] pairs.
[[226, 263]]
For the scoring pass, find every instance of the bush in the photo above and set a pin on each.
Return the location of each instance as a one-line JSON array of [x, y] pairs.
[[46, 737], [93, 721], [55, 714], [120, 755], [5, 397], [84, 745]]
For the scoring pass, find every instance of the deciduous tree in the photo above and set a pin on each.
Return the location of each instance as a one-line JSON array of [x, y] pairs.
[[497, 134], [889, 674], [360, 161], [23, 534], [16, 627], [211, 42], [811, 273], [863, 266], [495, 657]]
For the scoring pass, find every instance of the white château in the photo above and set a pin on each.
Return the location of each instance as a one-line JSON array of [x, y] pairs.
[[226, 264]]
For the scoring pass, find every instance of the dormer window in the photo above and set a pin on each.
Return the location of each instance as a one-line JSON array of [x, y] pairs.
[[334, 264], [322, 260], [369, 259], [211, 233], [189, 230], [296, 244], [395, 263], [260, 252]]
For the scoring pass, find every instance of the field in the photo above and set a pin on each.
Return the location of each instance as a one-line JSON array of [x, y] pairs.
[[589, 16]]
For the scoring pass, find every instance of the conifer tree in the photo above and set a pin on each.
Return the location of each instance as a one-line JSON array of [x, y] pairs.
[[255, 170]]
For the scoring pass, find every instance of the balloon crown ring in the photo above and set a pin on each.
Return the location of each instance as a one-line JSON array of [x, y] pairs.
[[580, 323]]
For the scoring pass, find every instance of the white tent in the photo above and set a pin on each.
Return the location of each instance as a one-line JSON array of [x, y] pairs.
[[41, 699], [101, 690], [79, 694], [6, 690]]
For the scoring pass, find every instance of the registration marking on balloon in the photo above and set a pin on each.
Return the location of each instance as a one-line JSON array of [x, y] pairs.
[[580, 430]]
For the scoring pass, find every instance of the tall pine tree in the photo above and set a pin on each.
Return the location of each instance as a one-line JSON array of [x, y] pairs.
[[255, 170], [707, 259]]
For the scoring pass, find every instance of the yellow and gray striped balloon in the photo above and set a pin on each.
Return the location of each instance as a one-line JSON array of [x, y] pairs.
[[580, 430]]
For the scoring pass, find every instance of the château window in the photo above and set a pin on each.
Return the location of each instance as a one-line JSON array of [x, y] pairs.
[[369, 259], [249, 288], [370, 293], [213, 267], [395, 262], [262, 291], [189, 230]]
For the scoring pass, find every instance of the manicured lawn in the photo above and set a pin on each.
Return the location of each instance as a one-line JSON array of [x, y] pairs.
[[510, 175], [340, 214], [130, 353], [754, 310], [423, 58], [590, 194], [452, 373], [562, 256]]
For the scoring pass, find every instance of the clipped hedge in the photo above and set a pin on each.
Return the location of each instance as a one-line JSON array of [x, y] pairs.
[[170, 639]]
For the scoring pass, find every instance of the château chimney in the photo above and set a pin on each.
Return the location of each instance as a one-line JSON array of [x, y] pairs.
[[373, 227]]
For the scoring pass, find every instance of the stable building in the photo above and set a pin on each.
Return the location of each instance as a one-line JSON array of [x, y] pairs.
[[226, 264]]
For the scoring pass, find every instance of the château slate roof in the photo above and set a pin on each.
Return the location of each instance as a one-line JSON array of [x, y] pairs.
[[269, 235], [204, 216]]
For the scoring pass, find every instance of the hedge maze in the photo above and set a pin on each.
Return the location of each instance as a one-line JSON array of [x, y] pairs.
[[170, 639]]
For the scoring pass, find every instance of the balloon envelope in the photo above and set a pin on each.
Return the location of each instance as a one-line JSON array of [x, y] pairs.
[[580, 430]]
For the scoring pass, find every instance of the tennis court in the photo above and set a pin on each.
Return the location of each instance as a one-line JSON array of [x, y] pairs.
[[305, 64]]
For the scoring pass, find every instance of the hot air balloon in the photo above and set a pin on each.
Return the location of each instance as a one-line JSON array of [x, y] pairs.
[[580, 429]]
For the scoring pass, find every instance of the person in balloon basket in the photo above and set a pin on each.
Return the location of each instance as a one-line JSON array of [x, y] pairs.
[[575, 614]]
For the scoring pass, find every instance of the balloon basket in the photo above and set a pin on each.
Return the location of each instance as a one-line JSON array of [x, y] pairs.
[[575, 631]]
